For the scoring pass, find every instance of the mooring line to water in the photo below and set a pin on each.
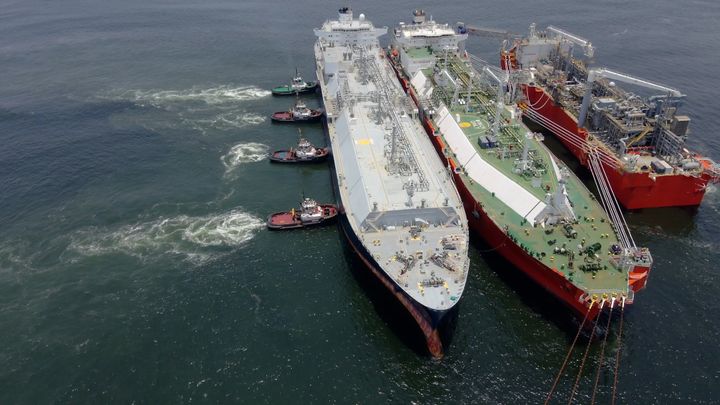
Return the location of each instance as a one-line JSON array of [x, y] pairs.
[[587, 350], [567, 357], [602, 352], [617, 356]]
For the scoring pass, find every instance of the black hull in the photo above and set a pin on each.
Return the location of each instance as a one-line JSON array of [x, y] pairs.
[[434, 325]]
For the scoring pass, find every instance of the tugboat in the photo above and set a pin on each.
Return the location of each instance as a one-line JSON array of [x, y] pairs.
[[298, 113], [310, 214], [305, 152], [297, 86]]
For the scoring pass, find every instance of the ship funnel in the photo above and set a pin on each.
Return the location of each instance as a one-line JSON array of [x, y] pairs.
[[419, 17], [345, 14]]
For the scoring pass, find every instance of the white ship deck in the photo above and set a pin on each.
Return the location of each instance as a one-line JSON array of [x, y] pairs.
[[397, 195]]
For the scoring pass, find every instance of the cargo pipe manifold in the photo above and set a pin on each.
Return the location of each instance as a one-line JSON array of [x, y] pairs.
[[609, 74]]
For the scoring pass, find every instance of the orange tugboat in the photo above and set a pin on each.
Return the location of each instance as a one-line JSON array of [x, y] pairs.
[[298, 113], [305, 152], [310, 214]]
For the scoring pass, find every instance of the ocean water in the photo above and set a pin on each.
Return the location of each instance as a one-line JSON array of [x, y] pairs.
[[135, 267]]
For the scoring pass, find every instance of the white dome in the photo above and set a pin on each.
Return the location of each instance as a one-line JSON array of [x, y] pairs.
[[361, 17]]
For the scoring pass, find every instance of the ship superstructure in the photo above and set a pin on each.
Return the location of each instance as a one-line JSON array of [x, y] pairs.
[[400, 210], [641, 139], [522, 200], [418, 43]]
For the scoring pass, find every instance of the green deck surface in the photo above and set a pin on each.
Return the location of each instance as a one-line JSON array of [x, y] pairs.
[[592, 224], [419, 53]]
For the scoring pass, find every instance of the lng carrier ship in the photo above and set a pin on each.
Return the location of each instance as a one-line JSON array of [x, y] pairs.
[[641, 140], [400, 210], [523, 201]]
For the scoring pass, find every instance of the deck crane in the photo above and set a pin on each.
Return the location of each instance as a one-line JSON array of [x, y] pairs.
[[595, 74], [587, 47]]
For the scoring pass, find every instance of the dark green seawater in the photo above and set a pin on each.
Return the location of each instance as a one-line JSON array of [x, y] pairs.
[[134, 266]]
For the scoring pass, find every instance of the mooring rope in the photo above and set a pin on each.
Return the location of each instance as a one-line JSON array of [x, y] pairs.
[[567, 357], [602, 352], [587, 350], [617, 356]]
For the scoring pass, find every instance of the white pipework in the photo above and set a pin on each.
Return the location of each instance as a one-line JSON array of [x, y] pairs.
[[587, 46], [595, 74], [500, 102], [598, 73]]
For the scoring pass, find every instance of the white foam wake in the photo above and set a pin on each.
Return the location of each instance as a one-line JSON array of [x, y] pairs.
[[182, 235], [203, 109], [213, 96], [231, 229], [244, 153], [227, 121]]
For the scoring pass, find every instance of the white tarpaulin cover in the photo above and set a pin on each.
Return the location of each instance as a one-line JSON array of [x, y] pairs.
[[513, 195]]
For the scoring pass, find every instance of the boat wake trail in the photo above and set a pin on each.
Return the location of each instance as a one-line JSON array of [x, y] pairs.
[[220, 108], [225, 121], [219, 95], [242, 153], [18, 255], [189, 237]]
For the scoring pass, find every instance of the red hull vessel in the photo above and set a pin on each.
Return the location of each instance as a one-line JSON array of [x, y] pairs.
[[634, 190], [550, 279]]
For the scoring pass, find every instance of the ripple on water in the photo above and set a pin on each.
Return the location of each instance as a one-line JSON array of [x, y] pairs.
[[224, 94], [242, 153], [218, 108], [185, 236]]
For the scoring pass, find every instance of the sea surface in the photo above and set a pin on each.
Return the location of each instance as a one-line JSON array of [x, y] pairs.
[[134, 263]]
